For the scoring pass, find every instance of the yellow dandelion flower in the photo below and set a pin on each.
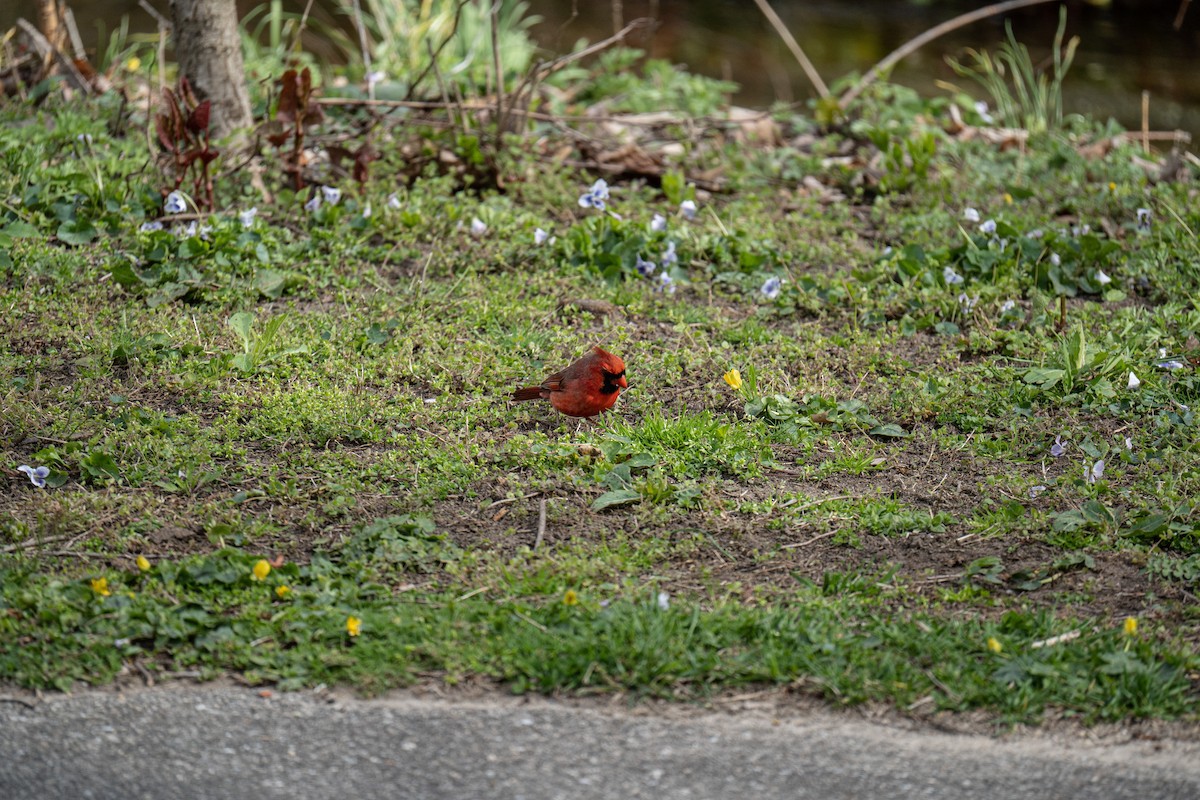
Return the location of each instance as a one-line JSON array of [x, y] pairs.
[[1112, 186], [1131, 624], [261, 569], [570, 598], [133, 64], [734, 379], [353, 625], [993, 644], [143, 563], [100, 587], [1008, 198], [282, 591]]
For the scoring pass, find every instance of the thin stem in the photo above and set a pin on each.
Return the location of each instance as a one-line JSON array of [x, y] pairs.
[[813, 76], [495, 15]]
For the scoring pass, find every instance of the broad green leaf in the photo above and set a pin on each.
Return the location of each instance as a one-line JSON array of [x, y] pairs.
[[617, 497], [890, 430], [1044, 376], [241, 323], [18, 229], [641, 461], [271, 283], [77, 232]]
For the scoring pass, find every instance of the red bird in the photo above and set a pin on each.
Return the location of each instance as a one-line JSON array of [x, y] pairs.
[[584, 389]]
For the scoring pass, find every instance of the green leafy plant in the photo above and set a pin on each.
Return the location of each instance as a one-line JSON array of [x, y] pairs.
[[618, 250], [1023, 95], [660, 86], [100, 467], [1174, 568], [256, 347], [404, 543], [1078, 367], [410, 33], [811, 411]]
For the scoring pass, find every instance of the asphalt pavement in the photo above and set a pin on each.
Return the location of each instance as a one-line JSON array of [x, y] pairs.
[[194, 742]]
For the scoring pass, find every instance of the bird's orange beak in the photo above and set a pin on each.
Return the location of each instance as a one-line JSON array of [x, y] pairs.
[[622, 382]]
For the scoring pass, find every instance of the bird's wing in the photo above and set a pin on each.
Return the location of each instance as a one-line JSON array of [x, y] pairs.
[[554, 383]]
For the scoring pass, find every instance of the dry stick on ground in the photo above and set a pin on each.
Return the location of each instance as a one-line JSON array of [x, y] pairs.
[[508, 500], [28, 543], [814, 77], [913, 45], [817, 538], [83, 554], [807, 542], [541, 529]]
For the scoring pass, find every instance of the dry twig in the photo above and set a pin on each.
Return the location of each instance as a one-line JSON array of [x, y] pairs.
[[541, 528], [813, 76]]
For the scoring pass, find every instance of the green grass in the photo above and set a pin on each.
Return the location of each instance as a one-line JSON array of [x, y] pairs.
[[876, 503], [838, 641]]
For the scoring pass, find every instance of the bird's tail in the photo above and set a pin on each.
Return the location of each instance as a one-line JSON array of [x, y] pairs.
[[528, 393]]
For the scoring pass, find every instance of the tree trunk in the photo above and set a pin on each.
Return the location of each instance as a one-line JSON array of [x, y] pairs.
[[210, 55]]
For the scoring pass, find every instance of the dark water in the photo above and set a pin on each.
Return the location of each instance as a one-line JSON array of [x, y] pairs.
[[1126, 47]]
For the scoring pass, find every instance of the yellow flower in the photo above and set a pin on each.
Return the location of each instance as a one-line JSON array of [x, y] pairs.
[[100, 587], [1131, 626], [734, 379], [1008, 198], [282, 591], [353, 625], [570, 598], [143, 563], [133, 64], [993, 644], [261, 569], [1112, 187]]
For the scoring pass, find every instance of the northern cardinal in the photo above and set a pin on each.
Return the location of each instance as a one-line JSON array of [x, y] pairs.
[[584, 389]]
